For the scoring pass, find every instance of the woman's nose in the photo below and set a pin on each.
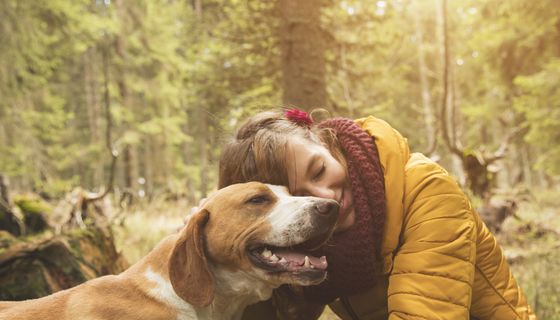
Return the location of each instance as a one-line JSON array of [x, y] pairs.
[[322, 192]]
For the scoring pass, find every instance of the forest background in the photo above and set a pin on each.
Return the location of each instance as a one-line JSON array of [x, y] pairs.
[[137, 97]]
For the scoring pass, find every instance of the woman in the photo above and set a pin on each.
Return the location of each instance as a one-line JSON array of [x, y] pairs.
[[408, 244]]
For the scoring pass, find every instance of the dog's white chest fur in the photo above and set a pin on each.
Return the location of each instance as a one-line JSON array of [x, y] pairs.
[[163, 291], [242, 291]]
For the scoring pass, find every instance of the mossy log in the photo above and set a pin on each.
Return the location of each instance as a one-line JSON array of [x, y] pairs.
[[8, 220], [33, 267], [35, 212]]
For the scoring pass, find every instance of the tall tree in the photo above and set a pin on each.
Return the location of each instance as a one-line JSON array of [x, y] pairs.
[[303, 54], [426, 95]]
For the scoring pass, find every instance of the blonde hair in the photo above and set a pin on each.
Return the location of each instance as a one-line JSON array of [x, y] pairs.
[[257, 151]]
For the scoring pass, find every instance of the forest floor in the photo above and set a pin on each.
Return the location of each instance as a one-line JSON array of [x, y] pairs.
[[532, 244]]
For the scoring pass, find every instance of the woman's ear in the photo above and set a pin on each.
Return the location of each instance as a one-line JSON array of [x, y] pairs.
[[188, 267]]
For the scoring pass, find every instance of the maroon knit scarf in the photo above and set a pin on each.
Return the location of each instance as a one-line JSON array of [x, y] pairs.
[[354, 255]]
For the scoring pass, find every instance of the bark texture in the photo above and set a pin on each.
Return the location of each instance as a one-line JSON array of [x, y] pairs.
[[303, 47]]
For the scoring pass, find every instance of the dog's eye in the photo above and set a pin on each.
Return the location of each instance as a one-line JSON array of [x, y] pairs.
[[258, 200]]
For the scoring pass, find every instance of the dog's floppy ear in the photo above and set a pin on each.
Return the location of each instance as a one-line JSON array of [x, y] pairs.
[[188, 269]]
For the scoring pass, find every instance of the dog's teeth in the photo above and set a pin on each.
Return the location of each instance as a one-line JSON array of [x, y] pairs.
[[283, 260], [274, 258], [266, 253], [307, 263]]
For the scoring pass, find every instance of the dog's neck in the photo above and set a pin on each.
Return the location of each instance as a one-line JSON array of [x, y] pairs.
[[233, 292]]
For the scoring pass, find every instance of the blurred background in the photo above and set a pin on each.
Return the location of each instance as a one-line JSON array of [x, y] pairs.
[[116, 110]]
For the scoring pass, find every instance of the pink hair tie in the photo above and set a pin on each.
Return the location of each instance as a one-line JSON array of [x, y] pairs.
[[299, 117]]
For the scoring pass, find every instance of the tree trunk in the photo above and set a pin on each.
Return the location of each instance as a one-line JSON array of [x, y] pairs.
[[303, 48], [203, 149], [202, 117], [93, 109], [165, 151], [345, 79], [187, 154], [149, 164], [429, 118], [124, 92], [155, 164], [129, 176], [4, 192]]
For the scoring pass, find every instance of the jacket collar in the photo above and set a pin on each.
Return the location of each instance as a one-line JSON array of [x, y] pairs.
[[394, 154]]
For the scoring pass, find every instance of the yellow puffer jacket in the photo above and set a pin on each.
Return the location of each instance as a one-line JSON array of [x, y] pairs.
[[440, 260]]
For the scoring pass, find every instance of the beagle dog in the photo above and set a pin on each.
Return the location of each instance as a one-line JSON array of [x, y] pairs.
[[246, 240]]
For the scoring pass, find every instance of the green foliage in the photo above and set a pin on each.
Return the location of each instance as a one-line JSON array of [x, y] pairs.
[[493, 54], [179, 78], [539, 102], [538, 278], [34, 61], [532, 243]]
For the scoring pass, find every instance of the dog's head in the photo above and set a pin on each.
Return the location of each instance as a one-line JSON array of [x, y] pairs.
[[255, 228]]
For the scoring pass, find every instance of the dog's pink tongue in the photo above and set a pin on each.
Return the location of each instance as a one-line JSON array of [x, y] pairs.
[[298, 259]]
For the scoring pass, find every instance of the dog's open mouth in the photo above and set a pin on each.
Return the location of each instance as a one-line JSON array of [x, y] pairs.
[[294, 259]]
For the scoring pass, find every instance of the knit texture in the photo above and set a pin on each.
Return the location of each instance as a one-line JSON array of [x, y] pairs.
[[354, 255]]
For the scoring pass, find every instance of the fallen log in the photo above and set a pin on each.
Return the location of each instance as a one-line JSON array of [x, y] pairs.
[[35, 267]]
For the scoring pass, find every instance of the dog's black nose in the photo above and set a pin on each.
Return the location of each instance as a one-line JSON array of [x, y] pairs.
[[326, 207]]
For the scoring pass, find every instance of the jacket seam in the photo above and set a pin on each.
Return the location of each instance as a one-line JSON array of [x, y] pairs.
[[434, 275], [434, 241], [456, 194], [497, 292], [444, 254], [438, 218], [409, 314], [429, 297]]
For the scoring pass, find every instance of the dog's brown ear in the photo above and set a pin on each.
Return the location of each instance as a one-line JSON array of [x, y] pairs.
[[188, 269]]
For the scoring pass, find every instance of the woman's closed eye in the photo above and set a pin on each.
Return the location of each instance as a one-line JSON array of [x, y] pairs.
[[319, 172]]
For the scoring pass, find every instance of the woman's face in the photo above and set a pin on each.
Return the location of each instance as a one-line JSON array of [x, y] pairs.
[[313, 171]]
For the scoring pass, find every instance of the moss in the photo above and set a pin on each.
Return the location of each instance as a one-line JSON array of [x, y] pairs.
[[6, 239], [32, 204], [79, 233], [95, 249], [35, 212]]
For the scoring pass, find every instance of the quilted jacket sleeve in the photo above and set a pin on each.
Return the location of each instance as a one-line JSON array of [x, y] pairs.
[[433, 270]]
